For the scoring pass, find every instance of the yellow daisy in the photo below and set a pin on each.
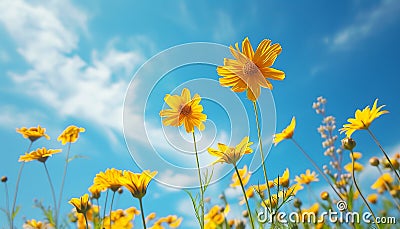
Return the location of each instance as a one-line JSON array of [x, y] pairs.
[[231, 155], [382, 182], [108, 179], [40, 154], [216, 216], [258, 188], [357, 167], [284, 179], [137, 183], [287, 133], [363, 119], [33, 224], [81, 204], [33, 133], [244, 175], [70, 134], [372, 198], [251, 70], [184, 110], [307, 178]]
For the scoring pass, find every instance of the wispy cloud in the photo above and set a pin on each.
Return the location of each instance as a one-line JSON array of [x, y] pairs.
[[224, 29], [365, 24]]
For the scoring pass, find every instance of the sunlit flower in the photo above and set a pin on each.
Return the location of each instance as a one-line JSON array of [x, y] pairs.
[[251, 70], [287, 133], [290, 191], [244, 176], [33, 224], [70, 134], [310, 214], [33, 133], [110, 179], [307, 178], [81, 204], [95, 191], [184, 110], [216, 216], [357, 167], [373, 198], [229, 154], [172, 220], [258, 188], [137, 183], [356, 155], [271, 202], [382, 182], [151, 216], [121, 219], [39, 154], [284, 179], [363, 119]]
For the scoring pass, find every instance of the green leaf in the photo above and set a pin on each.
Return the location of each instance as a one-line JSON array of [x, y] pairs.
[[76, 157], [14, 214]]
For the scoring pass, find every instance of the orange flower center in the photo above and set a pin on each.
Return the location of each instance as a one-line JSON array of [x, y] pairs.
[[186, 110], [250, 69]]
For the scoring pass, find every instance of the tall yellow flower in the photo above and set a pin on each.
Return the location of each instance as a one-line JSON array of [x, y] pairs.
[[363, 119], [108, 179], [95, 191], [231, 155], [284, 179], [216, 216], [40, 154], [70, 134], [244, 175], [287, 133], [33, 133], [307, 178], [33, 224], [251, 70], [357, 167], [184, 110], [384, 181], [81, 204], [258, 188], [137, 183]]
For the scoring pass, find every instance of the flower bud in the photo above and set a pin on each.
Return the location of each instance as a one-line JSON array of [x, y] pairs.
[[4, 179], [324, 195], [374, 161], [348, 143], [120, 191], [297, 203], [245, 214]]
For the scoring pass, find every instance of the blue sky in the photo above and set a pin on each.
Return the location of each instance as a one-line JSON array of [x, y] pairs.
[[68, 62]]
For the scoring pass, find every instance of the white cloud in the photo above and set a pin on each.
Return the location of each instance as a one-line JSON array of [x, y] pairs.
[[10, 118], [224, 29], [47, 36], [365, 24]]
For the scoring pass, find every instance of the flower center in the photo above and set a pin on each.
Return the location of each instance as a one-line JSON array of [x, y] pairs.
[[186, 110], [250, 69]]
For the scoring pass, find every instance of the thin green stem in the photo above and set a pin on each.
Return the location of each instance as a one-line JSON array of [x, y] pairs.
[[316, 167], [201, 183], [104, 210], [112, 201], [63, 178], [52, 193], [86, 221], [142, 210], [245, 197], [383, 151], [7, 203], [359, 190], [262, 153], [17, 187]]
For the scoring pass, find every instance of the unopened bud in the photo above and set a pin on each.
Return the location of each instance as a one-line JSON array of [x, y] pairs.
[[348, 143], [374, 161], [4, 179], [297, 203], [324, 195]]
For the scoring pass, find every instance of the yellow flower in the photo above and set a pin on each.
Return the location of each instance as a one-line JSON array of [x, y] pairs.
[[172, 220], [70, 134], [287, 133], [251, 70], [307, 178], [258, 188], [151, 216], [383, 181], [81, 204], [95, 191], [290, 191], [137, 183], [363, 119], [38, 154], [244, 176], [310, 214], [284, 179], [357, 167], [231, 155], [216, 216], [108, 179], [33, 133], [33, 224], [356, 155], [373, 198], [270, 203], [121, 219], [184, 110]]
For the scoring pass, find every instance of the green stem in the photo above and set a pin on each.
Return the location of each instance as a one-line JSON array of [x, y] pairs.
[[201, 183], [17, 187], [52, 193], [112, 201], [86, 221], [141, 209], [63, 178], [316, 167], [245, 197], [7, 204], [359, 190], [104, 210], [262, 153], [383, 151]]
